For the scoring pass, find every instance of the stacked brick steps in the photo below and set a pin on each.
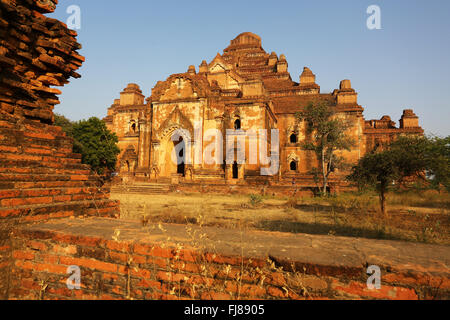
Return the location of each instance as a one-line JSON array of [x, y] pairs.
[[143, 265], [145, 189], [40, 176]]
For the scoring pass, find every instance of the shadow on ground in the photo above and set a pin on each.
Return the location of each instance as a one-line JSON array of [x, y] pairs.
[[325, 229]]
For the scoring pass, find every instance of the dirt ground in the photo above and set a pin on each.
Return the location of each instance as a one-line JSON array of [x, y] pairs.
[[345, 216]]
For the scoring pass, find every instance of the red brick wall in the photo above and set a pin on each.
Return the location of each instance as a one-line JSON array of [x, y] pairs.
[[121, 270], [5, 261], [41, 179]]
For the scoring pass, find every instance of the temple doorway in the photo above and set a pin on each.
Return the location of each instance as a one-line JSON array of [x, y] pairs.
[[235, 170], [180, 146]]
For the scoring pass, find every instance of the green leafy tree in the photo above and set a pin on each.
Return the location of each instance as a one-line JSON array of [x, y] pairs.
[[407, 157], [64, 123], [96, 144], [377, 170], [92, 139], [328, 138], [439, 162]]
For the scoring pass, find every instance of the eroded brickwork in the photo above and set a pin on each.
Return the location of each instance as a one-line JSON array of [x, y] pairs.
[[40, 177], [136, 265]]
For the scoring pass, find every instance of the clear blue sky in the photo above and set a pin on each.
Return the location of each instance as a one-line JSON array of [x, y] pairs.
[[404, 65]]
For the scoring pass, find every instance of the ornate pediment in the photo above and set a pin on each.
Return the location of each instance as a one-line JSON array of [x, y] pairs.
[[176, 120], [218, 65], [180, 88], [293, 157]]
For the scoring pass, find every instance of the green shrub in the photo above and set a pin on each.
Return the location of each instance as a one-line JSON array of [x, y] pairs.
[[255, 199]]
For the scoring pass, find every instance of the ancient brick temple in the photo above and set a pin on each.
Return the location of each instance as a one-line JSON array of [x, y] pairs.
[[44, 183], [243, 88]]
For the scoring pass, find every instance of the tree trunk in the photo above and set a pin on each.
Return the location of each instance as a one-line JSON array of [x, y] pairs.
[[383, 201], [325, 180]]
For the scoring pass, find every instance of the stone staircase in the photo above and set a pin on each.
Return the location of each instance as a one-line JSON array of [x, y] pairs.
[[40, 177], [142, 188]]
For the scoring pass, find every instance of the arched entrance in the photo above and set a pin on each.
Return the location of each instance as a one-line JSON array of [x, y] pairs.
[[293, 166], [235, 170], [174, 153], [180, 147]]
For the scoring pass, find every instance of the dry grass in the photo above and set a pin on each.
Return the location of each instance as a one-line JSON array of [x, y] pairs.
[[413, 217]]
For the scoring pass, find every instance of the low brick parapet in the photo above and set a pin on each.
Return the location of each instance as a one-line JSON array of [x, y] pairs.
[[125, 260]]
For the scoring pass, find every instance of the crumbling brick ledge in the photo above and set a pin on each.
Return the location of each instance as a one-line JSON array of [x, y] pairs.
[[122, 259]]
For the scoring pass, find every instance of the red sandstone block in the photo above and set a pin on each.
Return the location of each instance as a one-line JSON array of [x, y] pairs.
[[13, 202], [84, 241], [153, 251], [118, 257], [40, 193], [108, 276], [62, 214], [386, 292], [63, 291], [231, 286], [161, 263], [136, 293], [41, 217], [26, 201], [223, 260], [69, 250], [89, 263], [21, 157], [118, 290], [79, 178], [118, 246], [187, 255], [139, 259], [123, 269], [5, 213], [171, 277], [62, 198], [145, 283], [30, 284], [39, 146], [23, 255], [205, 281], [252, 290], [43, 267], [36, 245], [141, 273], [80, 197], [9, 194], [39, 200], [37, 151], [276, 292], [49, 258], [8, 149], [16, 170], [39, 135], [423, 279], [73, 190], [186, 266], [277, 279], [6, 124]]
